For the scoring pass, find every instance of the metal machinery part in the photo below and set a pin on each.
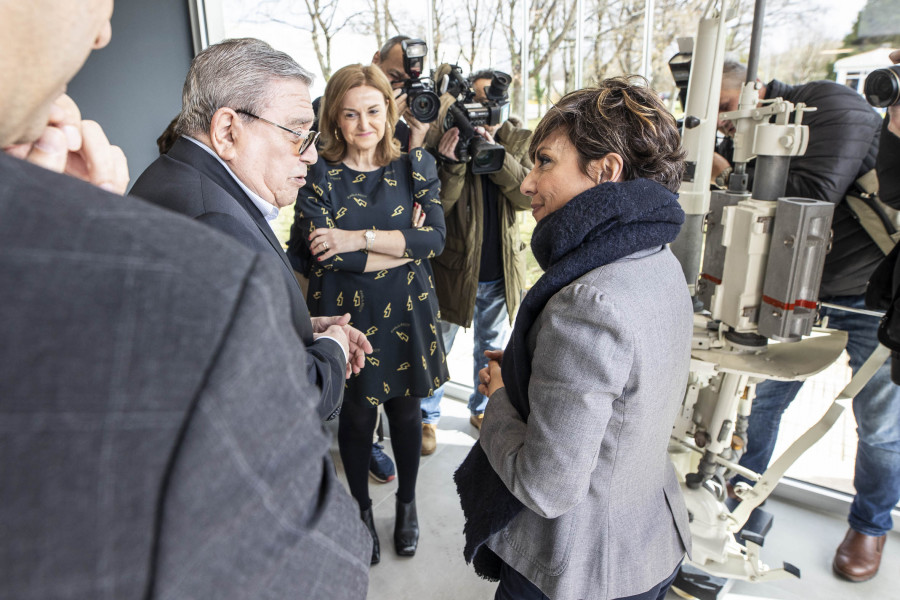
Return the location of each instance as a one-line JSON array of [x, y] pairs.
[[762, 259]]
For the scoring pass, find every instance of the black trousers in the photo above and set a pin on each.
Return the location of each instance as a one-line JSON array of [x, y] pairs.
[[514, 586]]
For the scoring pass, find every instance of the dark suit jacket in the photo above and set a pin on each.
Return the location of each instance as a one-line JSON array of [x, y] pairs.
[[150, 446], [190, 181]]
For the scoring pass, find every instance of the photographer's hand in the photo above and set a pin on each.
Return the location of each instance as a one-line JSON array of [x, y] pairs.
[[894, 111], [400, 100], [483, 132], [447, 145], [418, 130]]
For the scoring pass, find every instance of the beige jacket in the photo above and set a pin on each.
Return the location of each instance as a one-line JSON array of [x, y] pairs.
[[456, 269]]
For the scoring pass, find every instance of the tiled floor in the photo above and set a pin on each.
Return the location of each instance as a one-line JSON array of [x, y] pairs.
[[800, 536]]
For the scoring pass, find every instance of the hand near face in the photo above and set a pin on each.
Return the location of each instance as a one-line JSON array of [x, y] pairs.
[[75, 147], [447, 145], [490, 376], [418, 130]]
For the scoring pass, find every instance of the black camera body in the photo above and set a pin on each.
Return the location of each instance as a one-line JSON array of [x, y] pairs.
[[882, 87], [466, 114], [421, 98]]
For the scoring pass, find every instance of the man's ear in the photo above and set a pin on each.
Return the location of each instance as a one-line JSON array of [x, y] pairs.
[[608, 168], [225, 130], [376, 59]]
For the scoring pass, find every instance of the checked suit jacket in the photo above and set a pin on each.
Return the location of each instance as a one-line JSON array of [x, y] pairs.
[[150, 448], [190, 181]]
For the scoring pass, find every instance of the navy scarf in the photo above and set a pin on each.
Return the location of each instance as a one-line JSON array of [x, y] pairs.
[[597, 227]]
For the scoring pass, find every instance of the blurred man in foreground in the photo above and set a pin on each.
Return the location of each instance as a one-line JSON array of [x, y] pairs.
[[153, 411]]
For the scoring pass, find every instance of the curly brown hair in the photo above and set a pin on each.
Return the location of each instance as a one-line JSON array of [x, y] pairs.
[[621, 115]]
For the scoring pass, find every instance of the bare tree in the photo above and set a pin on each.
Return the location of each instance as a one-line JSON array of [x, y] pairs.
[[318, 19], [322, 15], [479, 20], [378, 20]]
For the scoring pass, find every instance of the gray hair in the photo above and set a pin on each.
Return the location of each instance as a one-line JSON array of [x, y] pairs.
[[235, 73], [734, 75]]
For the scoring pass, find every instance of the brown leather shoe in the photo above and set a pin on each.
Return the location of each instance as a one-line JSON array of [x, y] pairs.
[[476, 420], [858, 556], [429, 439]]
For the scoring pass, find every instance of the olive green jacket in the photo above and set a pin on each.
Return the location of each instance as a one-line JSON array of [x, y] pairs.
[[456, 269]]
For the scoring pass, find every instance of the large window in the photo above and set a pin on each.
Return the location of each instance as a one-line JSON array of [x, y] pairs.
[[551, 48]]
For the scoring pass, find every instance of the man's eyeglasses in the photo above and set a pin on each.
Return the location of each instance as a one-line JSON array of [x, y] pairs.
[[304, 138]]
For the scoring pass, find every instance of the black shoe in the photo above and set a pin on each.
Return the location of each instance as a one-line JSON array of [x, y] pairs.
[[406, 529], [369, 520]]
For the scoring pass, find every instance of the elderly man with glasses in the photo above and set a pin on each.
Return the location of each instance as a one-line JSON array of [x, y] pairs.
[[242, 152]]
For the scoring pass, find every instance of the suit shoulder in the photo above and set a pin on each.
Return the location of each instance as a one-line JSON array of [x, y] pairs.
[[181, 187], [48, 212]]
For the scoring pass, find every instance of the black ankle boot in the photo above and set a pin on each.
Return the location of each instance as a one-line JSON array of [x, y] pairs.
[[369, 520], [406, 529]]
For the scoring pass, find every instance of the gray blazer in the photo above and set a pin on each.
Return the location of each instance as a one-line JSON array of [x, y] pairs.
[[158, 431], [604, 515]]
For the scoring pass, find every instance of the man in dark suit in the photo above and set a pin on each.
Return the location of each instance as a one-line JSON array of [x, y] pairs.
[[150, 445], [242, 154]]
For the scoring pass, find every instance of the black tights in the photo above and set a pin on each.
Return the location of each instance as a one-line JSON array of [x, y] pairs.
[[355, 442]]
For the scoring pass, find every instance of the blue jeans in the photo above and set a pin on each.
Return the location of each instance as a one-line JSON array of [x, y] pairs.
[[491, 330], [877, 412]]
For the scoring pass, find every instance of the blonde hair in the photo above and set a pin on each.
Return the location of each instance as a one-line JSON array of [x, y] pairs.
[[334, 148]]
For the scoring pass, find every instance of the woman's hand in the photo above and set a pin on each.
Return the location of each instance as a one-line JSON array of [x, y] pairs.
[[418, 216], [325, 242], [490, 376]]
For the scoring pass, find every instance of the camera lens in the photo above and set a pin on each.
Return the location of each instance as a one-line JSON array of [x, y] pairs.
[[486, 157], [424, 106], [499, 85], [882, 88]]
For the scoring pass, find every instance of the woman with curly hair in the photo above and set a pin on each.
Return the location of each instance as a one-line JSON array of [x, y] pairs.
[[569, 493]]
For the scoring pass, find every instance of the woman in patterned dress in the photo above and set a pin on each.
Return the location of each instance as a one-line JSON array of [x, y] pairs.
[[372, 218]]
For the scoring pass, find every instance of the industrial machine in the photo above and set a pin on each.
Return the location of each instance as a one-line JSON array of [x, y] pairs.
[[753, 261]]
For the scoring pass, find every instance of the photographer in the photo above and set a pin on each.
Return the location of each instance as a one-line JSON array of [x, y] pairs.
[[480, 275], [390, 59], [882, 294]]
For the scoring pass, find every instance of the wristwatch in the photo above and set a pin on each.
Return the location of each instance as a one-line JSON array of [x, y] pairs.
[[370, 238]]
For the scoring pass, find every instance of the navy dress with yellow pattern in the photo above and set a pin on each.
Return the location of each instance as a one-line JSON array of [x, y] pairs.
[[396, 308]]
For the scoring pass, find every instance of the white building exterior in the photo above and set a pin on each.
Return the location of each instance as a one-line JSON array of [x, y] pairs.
[[852, 70]]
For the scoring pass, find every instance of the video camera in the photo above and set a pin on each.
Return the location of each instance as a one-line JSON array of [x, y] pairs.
[[465, 114], [421, 98]]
